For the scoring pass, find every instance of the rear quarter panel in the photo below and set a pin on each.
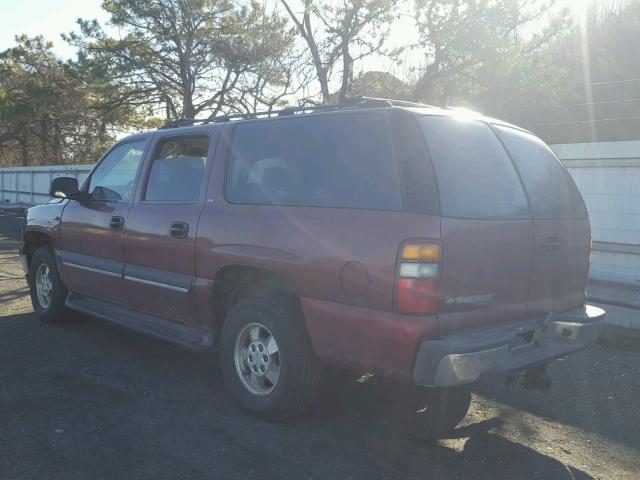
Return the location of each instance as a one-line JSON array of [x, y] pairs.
[[311, 247]]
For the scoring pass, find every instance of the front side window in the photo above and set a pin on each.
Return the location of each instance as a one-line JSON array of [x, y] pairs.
[[177, 169], [550, 188], [475, 177], [328, 161], [114, 179]]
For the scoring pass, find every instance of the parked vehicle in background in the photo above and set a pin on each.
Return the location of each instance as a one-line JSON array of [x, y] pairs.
[[431, 246]]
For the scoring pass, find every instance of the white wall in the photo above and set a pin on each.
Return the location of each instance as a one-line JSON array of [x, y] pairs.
[[608, 176], [30, 185]]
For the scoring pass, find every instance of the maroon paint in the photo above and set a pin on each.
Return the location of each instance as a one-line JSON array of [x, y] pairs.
[[364, 339], [559, 271], [148, 243], [484, 257], [85, 230]]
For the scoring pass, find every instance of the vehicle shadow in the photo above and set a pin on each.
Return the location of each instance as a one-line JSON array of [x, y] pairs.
[[473, 450], [594, 390], [8, 245], [12, 228], [14, 294], [80, 377]]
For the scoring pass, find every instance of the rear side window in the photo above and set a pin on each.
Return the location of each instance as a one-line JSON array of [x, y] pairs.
[[326, 161], [419, 189], [475, 177], [550, 188], [177, 169]]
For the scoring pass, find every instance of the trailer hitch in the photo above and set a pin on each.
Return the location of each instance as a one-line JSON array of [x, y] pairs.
[[536, 378]]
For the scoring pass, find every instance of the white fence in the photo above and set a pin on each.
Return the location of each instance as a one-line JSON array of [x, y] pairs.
[[607, 174], [30, 185]]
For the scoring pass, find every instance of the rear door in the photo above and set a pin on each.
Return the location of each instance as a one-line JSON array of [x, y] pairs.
[[561, 224], [486, 226], [160, 239]]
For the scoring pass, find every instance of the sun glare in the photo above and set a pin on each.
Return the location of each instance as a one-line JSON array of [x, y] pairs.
[[578, 8]]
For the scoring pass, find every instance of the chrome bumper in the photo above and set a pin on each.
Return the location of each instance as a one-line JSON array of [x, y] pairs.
[[466, 358]]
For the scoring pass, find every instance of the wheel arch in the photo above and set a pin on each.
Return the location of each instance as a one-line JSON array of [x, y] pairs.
[[33, 240], [236, 281]]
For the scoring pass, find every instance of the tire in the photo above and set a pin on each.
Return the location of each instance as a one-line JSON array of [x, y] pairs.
[[271, 383], [48, 298], [431, 413]]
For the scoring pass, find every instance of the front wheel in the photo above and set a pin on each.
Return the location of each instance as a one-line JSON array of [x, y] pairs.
[[266, 358], [48, 293]]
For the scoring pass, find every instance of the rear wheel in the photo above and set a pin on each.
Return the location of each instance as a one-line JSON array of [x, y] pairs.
[[266, 358], [48, 293]]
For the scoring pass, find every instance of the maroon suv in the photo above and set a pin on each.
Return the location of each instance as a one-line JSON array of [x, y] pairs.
[[429, 245]]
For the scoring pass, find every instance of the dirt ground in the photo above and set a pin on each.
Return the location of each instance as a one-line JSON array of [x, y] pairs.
[[88, 400]]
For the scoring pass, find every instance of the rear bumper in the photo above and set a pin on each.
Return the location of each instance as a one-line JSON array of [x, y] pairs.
[[466, 358]]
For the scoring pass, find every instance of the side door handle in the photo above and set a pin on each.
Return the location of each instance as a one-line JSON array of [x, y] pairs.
[[116, 223], [179, 230]]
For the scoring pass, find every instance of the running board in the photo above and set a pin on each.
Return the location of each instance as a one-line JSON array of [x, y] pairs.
[[193, 338]]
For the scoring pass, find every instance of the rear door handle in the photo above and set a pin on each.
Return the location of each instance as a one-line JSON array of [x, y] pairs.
[[179, 230], [116, 223]]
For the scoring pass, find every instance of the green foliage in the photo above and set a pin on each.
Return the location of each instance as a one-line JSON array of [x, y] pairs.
[[380, 85], [475, 53], [602, 101], [338, 34], [190, 57], [511, 59], [51, 113]]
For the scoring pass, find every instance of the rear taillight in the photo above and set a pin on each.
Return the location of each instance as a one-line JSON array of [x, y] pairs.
[[417, 273]]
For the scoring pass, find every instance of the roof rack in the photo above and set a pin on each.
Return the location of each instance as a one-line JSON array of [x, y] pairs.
[[348, 103]]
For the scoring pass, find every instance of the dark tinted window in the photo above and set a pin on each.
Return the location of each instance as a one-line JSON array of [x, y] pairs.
[[177, 169], [329, 160], [475, 176], [550, 188], [419, 189]]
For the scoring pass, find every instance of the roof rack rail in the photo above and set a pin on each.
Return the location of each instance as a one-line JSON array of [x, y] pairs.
[[185, 122], [390, 102], [348, 103]]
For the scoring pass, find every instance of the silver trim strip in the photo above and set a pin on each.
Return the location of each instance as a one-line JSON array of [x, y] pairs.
[[156, 284], [91, 269]]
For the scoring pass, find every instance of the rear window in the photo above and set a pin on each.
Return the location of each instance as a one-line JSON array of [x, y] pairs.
[[550, 188], [475, 177], [326, 161]]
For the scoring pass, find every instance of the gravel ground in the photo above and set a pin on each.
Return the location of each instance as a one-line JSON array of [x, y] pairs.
[[89, 400]]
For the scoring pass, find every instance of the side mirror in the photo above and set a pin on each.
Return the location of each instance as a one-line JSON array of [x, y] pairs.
[[64, 187]]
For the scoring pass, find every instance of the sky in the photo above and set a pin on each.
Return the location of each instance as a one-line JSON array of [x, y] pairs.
[[50, 18]]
